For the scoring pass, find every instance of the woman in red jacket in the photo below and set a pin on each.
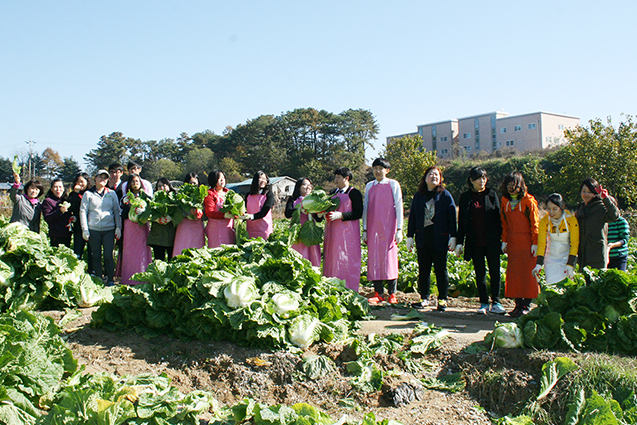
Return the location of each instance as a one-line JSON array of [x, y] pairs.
[[220, 227], [520, 228]]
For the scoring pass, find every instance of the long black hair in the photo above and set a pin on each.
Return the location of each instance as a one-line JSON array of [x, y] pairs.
[[192, 175], [213, 178], [129, 182], [164, 181], [254, 187], [79, 175], [297, 187], [514, 177]]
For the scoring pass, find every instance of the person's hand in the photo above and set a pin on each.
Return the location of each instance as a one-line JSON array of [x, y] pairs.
[[86, 235], [534, 250], [504, 247], [139, 210], [365, 237], [410, 243], [570, 272], [452, 244], [536, 270], [248, 216], [118, 233], [63, 208], [603, 193], [164, 220], [334, 215], [228, 215], [399, 236], [458, 250], [16, 178]]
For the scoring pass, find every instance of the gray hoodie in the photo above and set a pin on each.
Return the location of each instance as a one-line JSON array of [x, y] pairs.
[[100, 212]]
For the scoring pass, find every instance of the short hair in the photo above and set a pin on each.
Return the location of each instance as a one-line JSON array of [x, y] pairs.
[[192, 175], [115, 166], [513, 177], [422, 186], [297, 187], [164, 181], [344, 172], [50, 193], [556, 199], [213, 178], [37, 184], [381, 162], [132, 164], [474, 174], [254, 187]]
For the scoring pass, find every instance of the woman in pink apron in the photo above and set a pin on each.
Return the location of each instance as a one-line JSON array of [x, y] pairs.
[[382, 230], [558, 241], [342, 244], [220, 227], [190, 232], [259, 207], [136, 254], [303, 188]]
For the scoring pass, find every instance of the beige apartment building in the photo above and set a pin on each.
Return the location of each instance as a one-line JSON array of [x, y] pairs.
[[493, 131]]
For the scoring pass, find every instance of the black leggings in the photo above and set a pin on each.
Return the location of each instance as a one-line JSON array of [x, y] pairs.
[[426, 257], [478, 256]]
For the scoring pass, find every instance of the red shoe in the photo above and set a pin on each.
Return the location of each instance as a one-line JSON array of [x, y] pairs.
[[376, 299], [392, 299]]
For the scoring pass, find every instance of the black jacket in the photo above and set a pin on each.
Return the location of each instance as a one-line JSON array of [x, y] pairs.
[[493, 225], [444, 219]]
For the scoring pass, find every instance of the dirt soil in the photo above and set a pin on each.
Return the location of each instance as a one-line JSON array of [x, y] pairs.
[[498, 382]]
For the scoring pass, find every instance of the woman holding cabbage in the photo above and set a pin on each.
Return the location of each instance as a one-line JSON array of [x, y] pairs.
[[342, 246], [55, 210], [220, 227], [259, 205], [190, 231], [303, 188], [136, 254]]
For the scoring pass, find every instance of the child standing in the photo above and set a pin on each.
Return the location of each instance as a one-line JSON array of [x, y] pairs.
[[382, 230]]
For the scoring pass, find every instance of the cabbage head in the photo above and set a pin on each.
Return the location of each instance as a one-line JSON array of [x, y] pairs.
[[6, 273], [304, 330], [284, 304], [233, 204], [319, 201], [505, 335], [241, 292]]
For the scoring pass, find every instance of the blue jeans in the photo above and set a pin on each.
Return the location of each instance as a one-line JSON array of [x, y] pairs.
[[618, 263], [105, 240]]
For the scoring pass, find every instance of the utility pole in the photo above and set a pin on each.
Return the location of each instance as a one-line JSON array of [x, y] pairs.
[[30, 143]]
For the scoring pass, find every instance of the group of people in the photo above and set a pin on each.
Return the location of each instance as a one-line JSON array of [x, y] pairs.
[[486, 224]]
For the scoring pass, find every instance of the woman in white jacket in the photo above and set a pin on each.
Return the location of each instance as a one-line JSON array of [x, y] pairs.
[[101, 224]]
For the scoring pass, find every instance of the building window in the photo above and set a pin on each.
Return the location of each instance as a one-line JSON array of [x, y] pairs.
[[532, 126], [466, 136], [467, 148], [560, 126], [503, 130], [444, 138], [517, 128]]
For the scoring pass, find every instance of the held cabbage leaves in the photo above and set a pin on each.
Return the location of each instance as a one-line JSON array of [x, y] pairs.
[[138, 204], [234, 204], [310, 233], [15, 166], [319, 201]]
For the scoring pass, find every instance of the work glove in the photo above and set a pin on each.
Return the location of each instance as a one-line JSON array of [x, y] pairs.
[[458, 250], [570, 272], [118, 233], [410, 243], [536, 270], [504, 247], [365, 237], [399, 236], [452, 244], [334, 215], [248, 216], [534, 250], [86, 235], [139, 210], [164, 220]]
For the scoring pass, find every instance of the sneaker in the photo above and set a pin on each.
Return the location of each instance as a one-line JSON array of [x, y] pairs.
[[524, 310], [392, 299], [420, 304], [376, 299], [484, 308], [516, 312], [442, 305], [496, 308]]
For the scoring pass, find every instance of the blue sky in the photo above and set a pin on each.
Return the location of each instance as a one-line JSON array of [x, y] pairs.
[[72, 71]]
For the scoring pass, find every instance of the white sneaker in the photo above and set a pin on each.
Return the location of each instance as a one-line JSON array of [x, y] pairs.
[[484, 309], [496, 308]]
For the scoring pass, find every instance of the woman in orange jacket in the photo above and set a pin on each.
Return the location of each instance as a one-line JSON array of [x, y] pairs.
[[520, 226]]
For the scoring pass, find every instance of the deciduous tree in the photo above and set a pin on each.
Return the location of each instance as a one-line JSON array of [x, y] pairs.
[[408, 162]]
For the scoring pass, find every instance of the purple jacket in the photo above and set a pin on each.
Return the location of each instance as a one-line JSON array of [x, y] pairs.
[[55, 218]]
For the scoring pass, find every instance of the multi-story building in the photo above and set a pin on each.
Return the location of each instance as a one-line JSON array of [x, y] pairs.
[[493, 131]]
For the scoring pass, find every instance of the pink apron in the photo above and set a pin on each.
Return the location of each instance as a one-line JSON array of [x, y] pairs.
[[263, 226], [342, 247], [220, 231], [312, 253], [382, 259], [136, 255], [189, 234]]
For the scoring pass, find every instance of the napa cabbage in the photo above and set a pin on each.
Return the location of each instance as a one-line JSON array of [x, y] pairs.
[[319, 201], [241, 292], [6, 273], [505, 335], [304, 330], [233, 204], [284, 304], [15, 166]]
